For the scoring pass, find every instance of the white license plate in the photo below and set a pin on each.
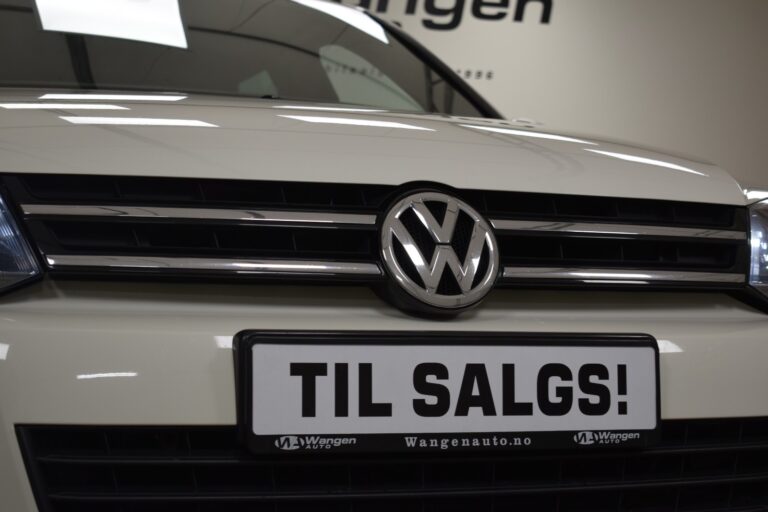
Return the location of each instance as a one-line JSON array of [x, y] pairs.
[[373, 392]]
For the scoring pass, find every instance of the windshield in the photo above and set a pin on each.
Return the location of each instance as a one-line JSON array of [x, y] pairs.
[[309, 50]]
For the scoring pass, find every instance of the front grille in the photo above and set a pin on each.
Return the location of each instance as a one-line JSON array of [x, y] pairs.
[[167, 227], [700, 465]]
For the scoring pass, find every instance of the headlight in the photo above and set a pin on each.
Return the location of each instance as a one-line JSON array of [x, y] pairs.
[[17, 261]]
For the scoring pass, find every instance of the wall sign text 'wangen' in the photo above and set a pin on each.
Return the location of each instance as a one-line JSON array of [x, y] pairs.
[[448, 14]]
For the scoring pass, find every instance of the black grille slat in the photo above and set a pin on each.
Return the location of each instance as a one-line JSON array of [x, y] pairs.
[[68, 189], [333, 485], [699, 465], [326, 488], [155, 238], [727, 256], [192, 460], [522, 205]]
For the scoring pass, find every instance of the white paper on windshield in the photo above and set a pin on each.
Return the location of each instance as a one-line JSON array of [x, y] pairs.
[[149, 21]]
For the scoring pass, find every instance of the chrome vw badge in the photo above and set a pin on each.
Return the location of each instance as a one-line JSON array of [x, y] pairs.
[[439, 251]]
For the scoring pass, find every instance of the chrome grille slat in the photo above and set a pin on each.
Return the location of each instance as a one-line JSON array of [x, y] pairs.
[[604, 229], [619, 276], [216, 265], [201, 214]]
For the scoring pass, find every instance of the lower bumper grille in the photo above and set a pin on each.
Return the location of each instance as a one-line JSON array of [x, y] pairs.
[[701, 465]]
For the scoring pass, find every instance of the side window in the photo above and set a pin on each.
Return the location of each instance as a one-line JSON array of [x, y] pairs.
[[447, 99], [357, 81], [260, 84]]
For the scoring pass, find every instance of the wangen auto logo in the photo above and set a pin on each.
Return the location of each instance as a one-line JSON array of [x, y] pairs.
[[604, 437], [440, 251], [584, 438], [288, 443], [291, 443]]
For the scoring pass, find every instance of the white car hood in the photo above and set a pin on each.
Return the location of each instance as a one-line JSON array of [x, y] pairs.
[[221, 137]]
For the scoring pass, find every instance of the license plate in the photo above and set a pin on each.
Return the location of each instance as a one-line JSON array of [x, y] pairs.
[[325, 392]]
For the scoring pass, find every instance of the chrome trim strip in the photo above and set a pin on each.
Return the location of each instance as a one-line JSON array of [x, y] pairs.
[[218, 265], [589, 228], [152, 212], [619, 276]]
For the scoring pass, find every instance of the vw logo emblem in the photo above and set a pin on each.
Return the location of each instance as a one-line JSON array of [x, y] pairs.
[[439, 251]]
